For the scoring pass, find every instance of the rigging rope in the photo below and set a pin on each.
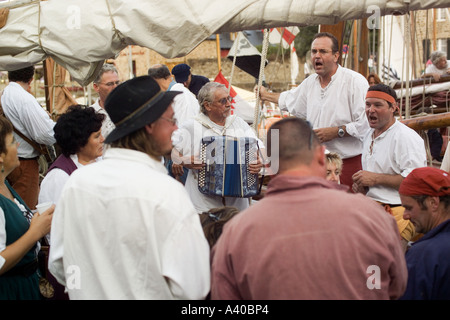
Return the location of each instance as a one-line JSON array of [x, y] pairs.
[[260, 79], [234, 62]]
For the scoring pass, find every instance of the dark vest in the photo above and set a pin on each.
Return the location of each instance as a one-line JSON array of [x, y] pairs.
[[64, 163]]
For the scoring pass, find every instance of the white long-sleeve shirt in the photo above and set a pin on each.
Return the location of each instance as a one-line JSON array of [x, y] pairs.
[[124, 229], [342, 102], [28, 117]]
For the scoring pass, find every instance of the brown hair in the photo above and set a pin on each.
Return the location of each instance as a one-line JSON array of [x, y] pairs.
[[139, 140], [5, 129], [335, 43], [214, 220], [375, 77]]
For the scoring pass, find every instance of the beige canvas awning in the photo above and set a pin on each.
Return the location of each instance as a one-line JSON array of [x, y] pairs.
[[79, 34]]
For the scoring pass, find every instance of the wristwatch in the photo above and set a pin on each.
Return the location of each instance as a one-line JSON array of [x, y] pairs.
[[341, 131]]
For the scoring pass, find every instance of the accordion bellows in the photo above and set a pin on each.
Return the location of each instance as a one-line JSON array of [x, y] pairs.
[[227, 161]]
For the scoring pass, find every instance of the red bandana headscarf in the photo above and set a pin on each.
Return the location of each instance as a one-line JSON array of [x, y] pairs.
[[426, 181]]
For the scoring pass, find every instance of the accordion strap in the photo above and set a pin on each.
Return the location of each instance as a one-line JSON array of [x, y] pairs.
[[204, 121]]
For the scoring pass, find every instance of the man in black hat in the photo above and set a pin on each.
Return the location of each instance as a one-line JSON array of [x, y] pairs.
[[125, 229], [193, 82]]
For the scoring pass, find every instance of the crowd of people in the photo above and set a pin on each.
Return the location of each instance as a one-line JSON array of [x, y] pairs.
[[351, 210]]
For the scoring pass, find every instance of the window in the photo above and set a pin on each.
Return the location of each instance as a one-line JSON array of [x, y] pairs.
[[441, 14], [441, 44]]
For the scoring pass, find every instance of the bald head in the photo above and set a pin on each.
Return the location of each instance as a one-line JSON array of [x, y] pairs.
[[162, 75], [297, 143]]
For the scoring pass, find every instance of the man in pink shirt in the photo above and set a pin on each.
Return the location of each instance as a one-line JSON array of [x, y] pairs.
[[307, 238]]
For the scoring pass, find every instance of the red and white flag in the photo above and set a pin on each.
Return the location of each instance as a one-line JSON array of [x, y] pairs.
[[288, 35], [239, 106]]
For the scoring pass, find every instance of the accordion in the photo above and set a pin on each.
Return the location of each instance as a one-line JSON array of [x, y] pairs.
[[227, 162]]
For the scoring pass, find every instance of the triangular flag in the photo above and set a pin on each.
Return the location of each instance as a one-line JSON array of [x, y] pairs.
[[288, 36], [248, 58]]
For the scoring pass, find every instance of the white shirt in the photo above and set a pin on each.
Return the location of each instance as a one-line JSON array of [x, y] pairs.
[[54, 181], [433, 69], [124, 229], [185, 105], [342, 102], [28, 117], [445, 165], [398, 150], [187, 141], [107, 124]]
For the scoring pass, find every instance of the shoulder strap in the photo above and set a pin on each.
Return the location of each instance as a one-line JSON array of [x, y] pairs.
[[202, 119], [31, 142]]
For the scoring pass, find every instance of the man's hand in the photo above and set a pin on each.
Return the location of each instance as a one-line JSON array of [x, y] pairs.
[[255, 167], [193, 164], [177, 169], [363, 179], [327, 134]]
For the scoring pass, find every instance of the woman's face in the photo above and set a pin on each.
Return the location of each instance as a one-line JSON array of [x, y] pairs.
[[93, 148], [442, 63], [10, 158]]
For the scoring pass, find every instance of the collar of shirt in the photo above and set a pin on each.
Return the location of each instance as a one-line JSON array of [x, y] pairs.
[[134, 156], [442, 227]]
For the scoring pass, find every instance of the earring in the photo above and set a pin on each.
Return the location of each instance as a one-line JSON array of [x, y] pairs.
[[3, 168]]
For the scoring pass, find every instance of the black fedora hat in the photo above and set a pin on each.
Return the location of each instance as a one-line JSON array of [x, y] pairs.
[[134, 104]]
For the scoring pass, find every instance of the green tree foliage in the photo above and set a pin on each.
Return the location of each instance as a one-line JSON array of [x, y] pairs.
[[303, 40]]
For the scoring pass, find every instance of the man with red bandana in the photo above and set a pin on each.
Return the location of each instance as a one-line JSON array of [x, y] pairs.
[[391, 150], [332, 100], [425, 194]]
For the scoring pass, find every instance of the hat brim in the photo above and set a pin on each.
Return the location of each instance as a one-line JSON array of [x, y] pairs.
[[149, 114]]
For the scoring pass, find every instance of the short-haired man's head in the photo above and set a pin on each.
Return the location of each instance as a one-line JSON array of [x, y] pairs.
[[335, 45], [21, 75], [207, 94], [107, 67], [296, 142], [159, 71], [385, 89], [436, 56]]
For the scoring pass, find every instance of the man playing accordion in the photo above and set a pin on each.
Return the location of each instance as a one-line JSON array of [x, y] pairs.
[[213, 122]]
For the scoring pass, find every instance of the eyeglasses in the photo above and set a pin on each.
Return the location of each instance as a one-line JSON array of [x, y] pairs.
[[112, 83], [321, 51], [224, 101], [173, 121]]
